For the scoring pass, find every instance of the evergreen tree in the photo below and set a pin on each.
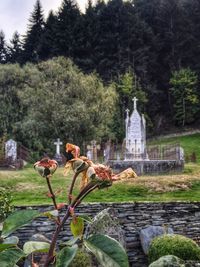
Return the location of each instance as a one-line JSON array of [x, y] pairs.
[[67, 29], [48, 40], [89, 38], [34, 34], [3, 48], [15, 49]]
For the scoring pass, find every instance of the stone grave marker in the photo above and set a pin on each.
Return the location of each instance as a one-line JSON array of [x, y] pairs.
[[135, 134], [11, 150]]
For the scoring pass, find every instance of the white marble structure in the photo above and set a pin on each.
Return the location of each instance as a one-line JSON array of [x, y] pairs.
[[11, 149], [135, 135], [58, 144]]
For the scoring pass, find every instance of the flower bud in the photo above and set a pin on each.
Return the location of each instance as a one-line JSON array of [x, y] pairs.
[[46, 167]]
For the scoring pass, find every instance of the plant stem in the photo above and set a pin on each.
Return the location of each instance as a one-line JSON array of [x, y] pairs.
[[52, 196], [55, 236], [72, 186]]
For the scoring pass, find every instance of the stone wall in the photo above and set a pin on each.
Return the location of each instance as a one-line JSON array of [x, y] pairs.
[[147, 166], [183, 217]]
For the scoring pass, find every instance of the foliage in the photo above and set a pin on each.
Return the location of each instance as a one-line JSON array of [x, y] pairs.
[[41, 102], [107, 250], [5, 203], [114, 36], [185, 96], [177, 245]]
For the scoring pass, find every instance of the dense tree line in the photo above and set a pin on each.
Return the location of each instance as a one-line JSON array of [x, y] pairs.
[[144, 44]]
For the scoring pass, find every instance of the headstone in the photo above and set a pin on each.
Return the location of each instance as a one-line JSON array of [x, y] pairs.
[[135, 135], [93, 148], [149, 233], [58, 156], [11, 150]]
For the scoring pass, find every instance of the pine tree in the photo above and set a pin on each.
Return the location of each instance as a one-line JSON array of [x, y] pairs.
[[34, 34], [48, 40], [15, 49], [67, 29], [3, 48]]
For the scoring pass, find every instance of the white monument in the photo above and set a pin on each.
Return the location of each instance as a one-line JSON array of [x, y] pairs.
[[58, 144], [11, 150], [58, 156], [135, 135]]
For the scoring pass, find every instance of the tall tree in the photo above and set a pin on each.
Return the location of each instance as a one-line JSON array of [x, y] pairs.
[[15, 49], [185, 97], [3, 48], [48, 40], [34, 34], [68, 29]]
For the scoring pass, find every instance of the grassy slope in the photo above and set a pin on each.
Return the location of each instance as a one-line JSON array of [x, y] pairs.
[[190, 143], [28, 188]]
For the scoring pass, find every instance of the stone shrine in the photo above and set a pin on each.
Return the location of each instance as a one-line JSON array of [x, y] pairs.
[[135, 135]]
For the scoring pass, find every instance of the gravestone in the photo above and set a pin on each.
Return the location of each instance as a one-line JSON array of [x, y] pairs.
[[92, 150], [58, 156], [135, 134], [11, 150]]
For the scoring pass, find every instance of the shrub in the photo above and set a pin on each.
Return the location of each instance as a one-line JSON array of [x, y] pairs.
[[178, 245], [5, 203]]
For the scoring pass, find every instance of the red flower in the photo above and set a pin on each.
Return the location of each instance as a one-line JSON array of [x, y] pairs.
[[46, 167]]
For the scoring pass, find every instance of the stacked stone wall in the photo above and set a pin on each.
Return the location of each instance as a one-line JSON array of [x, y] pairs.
[[183, 217]]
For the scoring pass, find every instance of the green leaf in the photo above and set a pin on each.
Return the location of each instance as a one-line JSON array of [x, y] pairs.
[[86, 218], [70, 242], [17, 220], [107, 250], [5, 246], [14, 240], [35, 246], [77, 226], [52, 213], [65, 256], [9, 257]]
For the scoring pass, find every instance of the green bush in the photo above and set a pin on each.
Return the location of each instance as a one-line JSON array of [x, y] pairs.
[[5, 203], [82, 259], [178, 245]]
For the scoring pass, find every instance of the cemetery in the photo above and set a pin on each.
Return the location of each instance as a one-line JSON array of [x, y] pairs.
[[99, 133]]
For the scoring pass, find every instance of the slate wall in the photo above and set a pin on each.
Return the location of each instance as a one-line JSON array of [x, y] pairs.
[[183, 217]]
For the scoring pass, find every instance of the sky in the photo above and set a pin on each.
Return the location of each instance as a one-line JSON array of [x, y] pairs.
[[14, 14]]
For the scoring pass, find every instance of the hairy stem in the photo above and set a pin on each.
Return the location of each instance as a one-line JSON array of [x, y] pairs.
[[72, 186], [52, 196]]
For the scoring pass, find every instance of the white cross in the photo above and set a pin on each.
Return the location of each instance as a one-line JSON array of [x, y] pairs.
[[58, 144], [135, 102], [127, 112]]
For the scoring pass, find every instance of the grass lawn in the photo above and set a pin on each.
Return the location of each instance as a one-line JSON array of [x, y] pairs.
[[28, 188]]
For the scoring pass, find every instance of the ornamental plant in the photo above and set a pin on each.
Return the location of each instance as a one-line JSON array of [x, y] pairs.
[[107, 250]]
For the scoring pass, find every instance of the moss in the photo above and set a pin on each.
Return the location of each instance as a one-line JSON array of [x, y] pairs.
[[82, 259], [178, 245]]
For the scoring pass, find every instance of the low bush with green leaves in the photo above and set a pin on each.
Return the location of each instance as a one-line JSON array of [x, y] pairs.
[[107, 250], [5, 203], [177, 245]]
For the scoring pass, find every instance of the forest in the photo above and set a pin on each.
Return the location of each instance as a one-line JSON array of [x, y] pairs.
[[113, 51]]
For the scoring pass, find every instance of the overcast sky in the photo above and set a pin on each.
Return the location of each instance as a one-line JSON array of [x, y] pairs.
[[14, 14]]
